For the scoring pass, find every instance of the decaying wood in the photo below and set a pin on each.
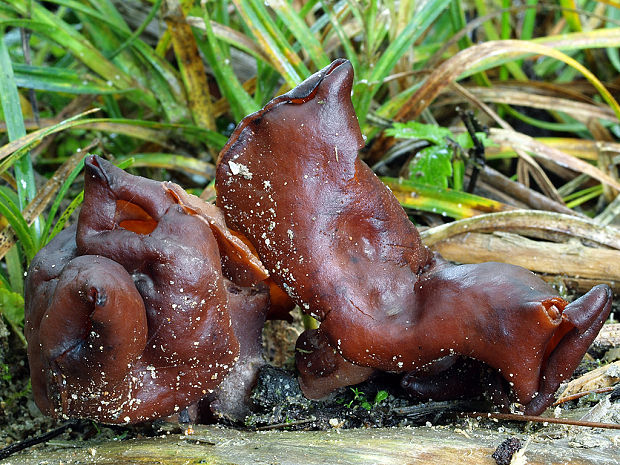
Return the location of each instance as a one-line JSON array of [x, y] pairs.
[[569, 259], [466, 445], [608, 338], [605, 376]]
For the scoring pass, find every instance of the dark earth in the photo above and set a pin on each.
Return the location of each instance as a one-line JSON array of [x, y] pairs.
[[277, 402]]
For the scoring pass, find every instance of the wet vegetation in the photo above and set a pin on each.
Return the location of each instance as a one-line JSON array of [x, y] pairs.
[[495, 124]]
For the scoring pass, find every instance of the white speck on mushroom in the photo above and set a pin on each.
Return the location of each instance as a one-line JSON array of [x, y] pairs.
[[239, 168]]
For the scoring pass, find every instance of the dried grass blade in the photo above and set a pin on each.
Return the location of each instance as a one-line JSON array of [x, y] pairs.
[[46, 193], [153, 131], [146, 130], [172, 161], [527, 220], [29, 140], [521, 193], [524, 158], [507, 94], [539, 149], [580, 148], [231, 37], [597, 38], [484, 56]]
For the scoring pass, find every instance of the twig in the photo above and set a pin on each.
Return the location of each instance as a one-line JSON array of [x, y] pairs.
[[21, 445], [284, 425], [579, 395], [539, 419]]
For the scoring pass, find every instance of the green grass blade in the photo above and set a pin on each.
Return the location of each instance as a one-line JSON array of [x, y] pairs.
[[146, 130], [585, 195], [138, 32], [4, 280], [66, 214], [14, 149], [55, 29], [529, 20], [612, 52], [51, 79], [109, 11], [12, 308], [62, 192], [171, 161], [424, 17], [240, 101], [164, 82], [301, 31], [12, 110], [334, 18], [457, 17], [13, 215], [15, 270], [152, 131], [284, 60], [275, 33], [64, 34]]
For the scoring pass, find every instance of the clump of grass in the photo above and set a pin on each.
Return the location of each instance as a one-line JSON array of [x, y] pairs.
[[169, 79]]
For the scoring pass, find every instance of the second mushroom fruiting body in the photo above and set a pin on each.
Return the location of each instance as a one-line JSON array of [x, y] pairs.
[[144, 307], [335, 238]]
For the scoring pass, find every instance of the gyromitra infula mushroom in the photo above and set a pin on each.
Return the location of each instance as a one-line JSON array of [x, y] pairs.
[[335, 238], [144, 307]]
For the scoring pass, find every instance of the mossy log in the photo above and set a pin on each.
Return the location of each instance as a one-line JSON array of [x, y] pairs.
[[423, 445]]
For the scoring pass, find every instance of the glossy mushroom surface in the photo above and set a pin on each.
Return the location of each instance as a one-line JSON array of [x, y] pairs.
[[335, 238], [144, 307]]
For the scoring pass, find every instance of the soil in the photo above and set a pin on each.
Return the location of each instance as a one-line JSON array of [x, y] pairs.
[[277, 401]]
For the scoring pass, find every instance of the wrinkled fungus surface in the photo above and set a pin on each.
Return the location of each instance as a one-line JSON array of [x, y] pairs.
[[144, 307], [335, 238]]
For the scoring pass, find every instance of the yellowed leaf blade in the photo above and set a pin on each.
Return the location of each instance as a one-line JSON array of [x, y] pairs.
[[474, 56], [191, 66]]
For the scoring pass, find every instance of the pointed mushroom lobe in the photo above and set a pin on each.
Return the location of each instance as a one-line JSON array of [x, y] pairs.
[[337, 241]]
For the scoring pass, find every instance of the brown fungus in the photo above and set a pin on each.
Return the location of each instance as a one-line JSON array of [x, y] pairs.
[[335, 238], [145, 307]]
